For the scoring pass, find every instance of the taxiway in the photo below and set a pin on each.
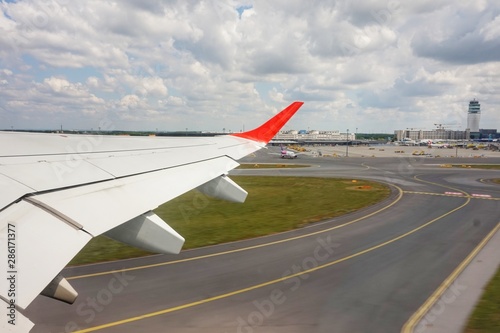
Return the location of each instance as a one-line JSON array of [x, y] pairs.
[[369, 271]]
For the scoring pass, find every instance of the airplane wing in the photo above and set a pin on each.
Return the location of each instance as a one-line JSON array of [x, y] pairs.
[[59, 191]]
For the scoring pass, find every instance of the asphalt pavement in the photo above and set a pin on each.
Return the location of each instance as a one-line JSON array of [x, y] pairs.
[[369, 271]]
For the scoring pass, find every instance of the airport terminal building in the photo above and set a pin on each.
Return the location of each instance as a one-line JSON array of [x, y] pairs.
[[437, 134], [473, 130], [313, 136], [441, 133]]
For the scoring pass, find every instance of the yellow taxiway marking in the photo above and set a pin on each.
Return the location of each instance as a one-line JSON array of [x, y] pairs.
[[465, 194], [240, 291], [400, 195], [489, 181], [461, 195], [440, 185], [409, 326], [451, 195]]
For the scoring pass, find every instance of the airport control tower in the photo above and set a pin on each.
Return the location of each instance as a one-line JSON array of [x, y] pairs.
[[473, 116]]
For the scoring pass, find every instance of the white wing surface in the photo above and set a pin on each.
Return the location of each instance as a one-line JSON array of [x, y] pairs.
[[60, 191]]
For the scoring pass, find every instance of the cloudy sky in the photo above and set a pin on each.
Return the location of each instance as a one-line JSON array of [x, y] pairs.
[[230, 64]]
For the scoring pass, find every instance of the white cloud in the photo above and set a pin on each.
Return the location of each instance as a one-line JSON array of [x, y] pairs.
[[63, 87], [211, 64], [173, 101], [491, 30], [153, 86], [130, 101]]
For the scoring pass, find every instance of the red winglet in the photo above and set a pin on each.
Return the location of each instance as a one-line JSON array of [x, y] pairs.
[[268, 130]]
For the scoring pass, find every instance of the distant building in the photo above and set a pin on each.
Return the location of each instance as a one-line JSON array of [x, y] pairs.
[[472, 131], [437, 134], [473, 116], [312, 136], [488, 134]]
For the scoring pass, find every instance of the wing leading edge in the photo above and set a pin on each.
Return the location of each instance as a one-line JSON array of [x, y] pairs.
[[60, 191]]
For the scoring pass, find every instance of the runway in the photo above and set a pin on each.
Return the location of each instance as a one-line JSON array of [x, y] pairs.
[[369, 271]]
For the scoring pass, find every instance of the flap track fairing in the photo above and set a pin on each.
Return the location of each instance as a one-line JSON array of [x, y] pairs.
[[148, 232]]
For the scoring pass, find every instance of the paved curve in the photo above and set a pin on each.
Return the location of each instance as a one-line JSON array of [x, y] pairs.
[[365, 272]]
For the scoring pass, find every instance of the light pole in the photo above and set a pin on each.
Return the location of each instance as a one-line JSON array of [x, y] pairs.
[[347, 144]]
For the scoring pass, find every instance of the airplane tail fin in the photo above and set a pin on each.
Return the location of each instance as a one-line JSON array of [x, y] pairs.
[[269, 129]]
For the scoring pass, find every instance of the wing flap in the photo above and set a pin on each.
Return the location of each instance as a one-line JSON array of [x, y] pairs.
[[36, 238]]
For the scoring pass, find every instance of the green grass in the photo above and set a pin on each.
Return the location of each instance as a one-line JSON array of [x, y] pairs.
[[271, 166], [274, 204], [486, 315]]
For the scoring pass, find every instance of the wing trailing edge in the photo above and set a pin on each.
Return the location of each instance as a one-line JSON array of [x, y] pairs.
[[269, 129]]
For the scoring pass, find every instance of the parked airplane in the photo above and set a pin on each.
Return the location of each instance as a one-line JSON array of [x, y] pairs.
[[406, 142], [287, 153], [60, 191], [432, 144]]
